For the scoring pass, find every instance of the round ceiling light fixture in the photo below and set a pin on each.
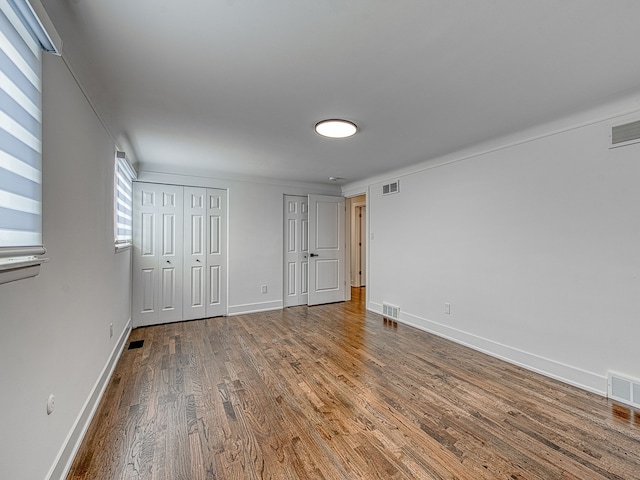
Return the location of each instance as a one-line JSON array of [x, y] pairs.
[[336, 128]]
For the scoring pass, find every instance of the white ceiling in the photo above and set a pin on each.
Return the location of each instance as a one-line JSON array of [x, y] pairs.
[[234, 87]]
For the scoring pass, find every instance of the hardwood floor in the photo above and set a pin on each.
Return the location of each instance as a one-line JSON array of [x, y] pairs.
[[332, 392]]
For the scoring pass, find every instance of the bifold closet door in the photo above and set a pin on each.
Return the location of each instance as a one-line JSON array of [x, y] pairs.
[[195, 259], [296, 250], [157, 253], [205, 255], [216, 252]]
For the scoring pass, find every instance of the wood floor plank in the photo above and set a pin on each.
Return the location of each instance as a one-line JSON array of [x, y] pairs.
[[334, 392]]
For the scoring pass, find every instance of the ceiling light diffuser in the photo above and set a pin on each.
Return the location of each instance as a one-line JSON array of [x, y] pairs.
[[336, 128]]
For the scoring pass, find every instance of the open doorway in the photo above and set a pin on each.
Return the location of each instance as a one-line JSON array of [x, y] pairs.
[[357, 249]]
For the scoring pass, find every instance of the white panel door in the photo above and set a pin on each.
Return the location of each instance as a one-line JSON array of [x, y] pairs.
[[296, 249], [195, 258], [157, 254], [180, 253], [326, 249], [216, 253], [145, 254], [171, 252]]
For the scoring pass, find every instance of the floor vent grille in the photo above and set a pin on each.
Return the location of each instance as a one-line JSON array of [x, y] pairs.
[[390, 311], [624, 389], [136, 344]]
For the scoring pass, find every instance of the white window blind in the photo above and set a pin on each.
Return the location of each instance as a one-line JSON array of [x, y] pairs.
[[22, 38], [123, 208]]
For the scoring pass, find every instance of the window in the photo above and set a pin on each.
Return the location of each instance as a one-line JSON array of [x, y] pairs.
[[123, 205], [22, 39]]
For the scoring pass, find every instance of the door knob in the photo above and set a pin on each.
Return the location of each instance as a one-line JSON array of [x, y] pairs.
[[314, 255], [168, 262], [198, 260]]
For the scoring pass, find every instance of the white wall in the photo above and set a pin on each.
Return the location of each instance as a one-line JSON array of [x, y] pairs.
[[256, 210], [534, 242], [54, 329]]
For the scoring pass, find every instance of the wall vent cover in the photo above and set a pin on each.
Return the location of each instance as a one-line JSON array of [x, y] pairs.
[[623, 389], [390, 311], [389, 188], [625, 134]]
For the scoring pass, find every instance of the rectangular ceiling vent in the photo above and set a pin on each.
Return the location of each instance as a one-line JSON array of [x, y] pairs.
[[389, 188], [625, 134], [390, 311], [623, 389]]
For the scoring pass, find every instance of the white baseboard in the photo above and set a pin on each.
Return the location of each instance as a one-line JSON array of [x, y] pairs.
[[67, 453], [551, 368], [254, 307]]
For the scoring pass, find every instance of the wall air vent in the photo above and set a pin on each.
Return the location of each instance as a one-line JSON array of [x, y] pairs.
[[623, 389], [390, 311], [625, 134], [389, 188]]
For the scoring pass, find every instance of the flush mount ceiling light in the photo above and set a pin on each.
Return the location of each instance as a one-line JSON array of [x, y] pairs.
[[336, 128]]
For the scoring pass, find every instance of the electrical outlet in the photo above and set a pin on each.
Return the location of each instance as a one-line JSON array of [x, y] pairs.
[[447, 308], [111, 330], [263, 288]]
